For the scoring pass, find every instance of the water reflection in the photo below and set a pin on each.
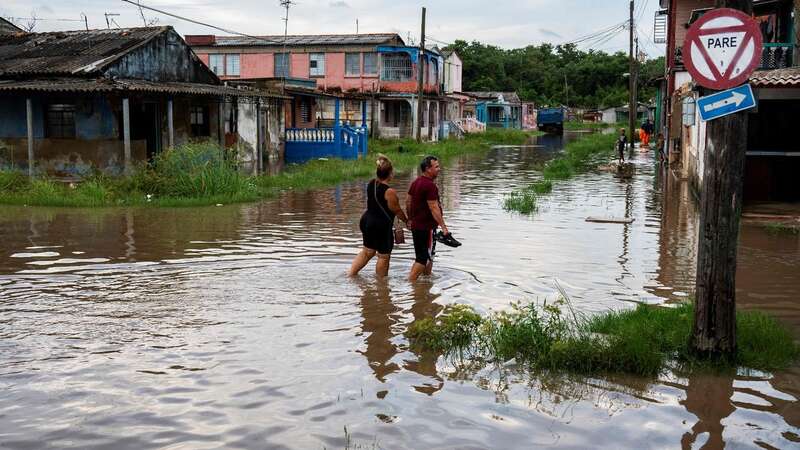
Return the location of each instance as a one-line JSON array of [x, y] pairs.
[[235, 326]]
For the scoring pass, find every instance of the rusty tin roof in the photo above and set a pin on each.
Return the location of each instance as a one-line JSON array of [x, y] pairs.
[[69, 52], [788, 77]]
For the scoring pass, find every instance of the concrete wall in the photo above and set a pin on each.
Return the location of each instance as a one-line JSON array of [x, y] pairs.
[[70, 157]]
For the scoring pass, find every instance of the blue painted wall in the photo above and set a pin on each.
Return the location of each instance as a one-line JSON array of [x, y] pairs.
[[13, 120], [94, 118]]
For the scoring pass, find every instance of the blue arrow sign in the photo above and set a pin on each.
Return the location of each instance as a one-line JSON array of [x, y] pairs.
[[726, 102]]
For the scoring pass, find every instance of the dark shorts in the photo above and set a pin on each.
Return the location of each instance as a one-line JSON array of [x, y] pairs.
[[377, 235], [423, 245]]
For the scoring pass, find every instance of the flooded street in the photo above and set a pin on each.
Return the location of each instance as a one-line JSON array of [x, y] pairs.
[[236, 327]]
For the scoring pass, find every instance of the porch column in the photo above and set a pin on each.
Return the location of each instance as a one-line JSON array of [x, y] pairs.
[[337, 129], [364, 113], [29, 107], [126, 132], [221, 123], [170, 125]]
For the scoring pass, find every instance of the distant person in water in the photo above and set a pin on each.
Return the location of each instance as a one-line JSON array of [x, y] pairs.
[[377, 222], [424, 215], [647, 132], [622, 142]]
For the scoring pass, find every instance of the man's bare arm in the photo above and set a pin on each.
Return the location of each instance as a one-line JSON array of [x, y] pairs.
[[437, 215]]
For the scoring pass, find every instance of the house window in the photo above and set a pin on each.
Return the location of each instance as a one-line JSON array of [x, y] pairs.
[[396, 67], [316, 64], [232, 65], [435, 71], [371, 63], [281, 65], [352, 63], [217, 64], [61, 121], [688, 111], [198, 116]]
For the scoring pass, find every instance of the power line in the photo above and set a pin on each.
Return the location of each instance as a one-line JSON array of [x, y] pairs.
[[595, 34], [44, 20], [197, 22]]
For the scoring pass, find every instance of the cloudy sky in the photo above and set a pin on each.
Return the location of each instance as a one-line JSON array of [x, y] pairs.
[[506, 23]]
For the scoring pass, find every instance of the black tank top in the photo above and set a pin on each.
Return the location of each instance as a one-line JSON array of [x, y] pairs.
[[376, 201]]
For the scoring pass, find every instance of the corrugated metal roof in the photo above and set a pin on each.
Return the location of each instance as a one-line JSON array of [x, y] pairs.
[[309, 40], [788, 77], [106, 85], [68, 52]]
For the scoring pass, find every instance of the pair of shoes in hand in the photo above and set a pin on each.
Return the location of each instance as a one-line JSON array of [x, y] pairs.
[[447, 239]]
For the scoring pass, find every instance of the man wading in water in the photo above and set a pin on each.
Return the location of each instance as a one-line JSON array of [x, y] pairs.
[[424, 214]]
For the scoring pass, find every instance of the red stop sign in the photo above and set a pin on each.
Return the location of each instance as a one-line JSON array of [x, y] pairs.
[[723, 48]]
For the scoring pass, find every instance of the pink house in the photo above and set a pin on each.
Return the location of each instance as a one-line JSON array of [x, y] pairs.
[[377, 67]]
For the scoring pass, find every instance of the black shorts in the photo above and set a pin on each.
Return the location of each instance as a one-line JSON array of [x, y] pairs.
[[423, 245], [378, 235]]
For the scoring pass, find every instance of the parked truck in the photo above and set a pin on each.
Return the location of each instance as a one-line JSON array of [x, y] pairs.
[[551, 120]]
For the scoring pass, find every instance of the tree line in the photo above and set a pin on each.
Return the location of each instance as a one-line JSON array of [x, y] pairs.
[[555, 75]]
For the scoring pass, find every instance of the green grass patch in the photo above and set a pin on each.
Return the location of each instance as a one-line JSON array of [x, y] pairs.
[[776, 228], [198, 174], [577, 156], [592, 125], [642, 341]]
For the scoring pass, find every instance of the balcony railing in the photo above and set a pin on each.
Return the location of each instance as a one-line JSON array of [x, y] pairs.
[[776, 56], [773, 56]]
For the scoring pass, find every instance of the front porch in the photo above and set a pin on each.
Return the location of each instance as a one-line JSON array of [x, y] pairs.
[[310, 141]]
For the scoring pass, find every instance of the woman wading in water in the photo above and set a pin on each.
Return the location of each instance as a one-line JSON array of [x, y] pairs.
[[377, 221]]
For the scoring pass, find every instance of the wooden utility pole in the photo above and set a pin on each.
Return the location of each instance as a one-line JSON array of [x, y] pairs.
[[421, 78], [631, 83], [714, 330], [796, 55]]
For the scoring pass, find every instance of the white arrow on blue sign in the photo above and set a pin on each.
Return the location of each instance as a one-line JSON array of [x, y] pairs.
[[726, 102]]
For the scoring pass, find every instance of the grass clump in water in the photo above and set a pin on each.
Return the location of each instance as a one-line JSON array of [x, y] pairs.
[[576, 158], [454, 328], [641, 341], [782, 228]]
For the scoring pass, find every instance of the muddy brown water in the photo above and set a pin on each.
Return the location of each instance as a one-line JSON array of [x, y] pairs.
[[235, 326]]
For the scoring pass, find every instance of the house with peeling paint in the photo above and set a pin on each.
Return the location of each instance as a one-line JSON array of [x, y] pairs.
[[372, 77], [77, 101], [772, 161]]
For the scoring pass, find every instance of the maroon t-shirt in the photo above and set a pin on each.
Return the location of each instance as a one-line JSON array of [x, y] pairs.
[[420, 216]]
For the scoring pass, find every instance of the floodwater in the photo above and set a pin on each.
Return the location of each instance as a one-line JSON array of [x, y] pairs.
[[235, 326]]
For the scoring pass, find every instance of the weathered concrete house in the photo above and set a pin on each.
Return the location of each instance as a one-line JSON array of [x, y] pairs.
[[373, 71], [76, 101], [772, 157]]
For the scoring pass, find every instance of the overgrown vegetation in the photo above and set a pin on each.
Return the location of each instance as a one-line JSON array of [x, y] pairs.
[[642, 341], [593, 125], [199, 174], [594, 79], [576, 158]]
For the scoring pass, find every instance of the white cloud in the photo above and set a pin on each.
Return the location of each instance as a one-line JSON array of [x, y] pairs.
[[507, 23]]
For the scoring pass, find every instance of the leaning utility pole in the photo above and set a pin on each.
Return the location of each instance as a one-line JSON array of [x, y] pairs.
[[421, 79], [632, 109], [714, 330]]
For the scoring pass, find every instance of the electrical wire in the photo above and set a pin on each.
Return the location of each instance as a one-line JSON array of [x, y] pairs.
[[197, 22]]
